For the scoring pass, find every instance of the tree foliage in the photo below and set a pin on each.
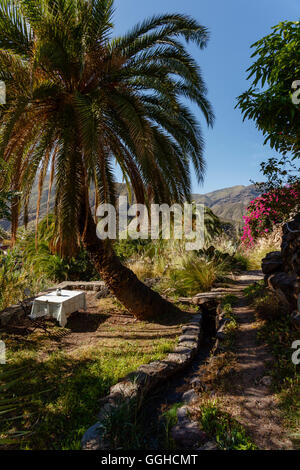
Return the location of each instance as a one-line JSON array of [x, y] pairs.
[[276, 68], [79, 100], [5, 195]]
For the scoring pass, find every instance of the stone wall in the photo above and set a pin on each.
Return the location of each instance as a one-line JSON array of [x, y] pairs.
[[282, 269], [135, 386]]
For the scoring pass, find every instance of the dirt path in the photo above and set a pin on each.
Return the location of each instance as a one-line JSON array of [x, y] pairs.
[[250, 400]]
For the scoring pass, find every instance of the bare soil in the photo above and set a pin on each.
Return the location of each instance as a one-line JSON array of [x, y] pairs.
[[105, 323], [250, 401]]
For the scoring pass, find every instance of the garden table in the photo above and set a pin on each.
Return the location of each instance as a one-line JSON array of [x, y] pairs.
[[59, 307]]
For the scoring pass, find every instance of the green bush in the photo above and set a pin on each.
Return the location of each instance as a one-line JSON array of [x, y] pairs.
[[39, 258], [129, 248], [197, 274], [14, 278]]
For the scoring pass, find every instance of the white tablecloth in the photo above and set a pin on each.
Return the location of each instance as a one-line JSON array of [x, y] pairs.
[[59, 307]]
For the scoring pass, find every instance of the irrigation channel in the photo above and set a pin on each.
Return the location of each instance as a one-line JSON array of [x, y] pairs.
[[148, 424]]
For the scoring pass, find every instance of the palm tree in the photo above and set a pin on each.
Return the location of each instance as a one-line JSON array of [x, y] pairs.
[[79, 100]]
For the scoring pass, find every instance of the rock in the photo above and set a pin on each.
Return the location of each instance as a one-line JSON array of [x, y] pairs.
[[123, 390], [103, 293], [150, 282], [14, 312], [272, 263], [188, 338], [209, 445], [290, 248], [190, 396], [287, 285], [266, 381], [92, 439], [188, 435], [183, 414], [221, 333], [219, 348], [208, 298], [296, 319], [190, 329], [282, 269], [197, 383]]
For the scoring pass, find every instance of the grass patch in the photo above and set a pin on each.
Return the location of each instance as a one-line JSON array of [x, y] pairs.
[[64, 388], [122, 428], [228, 433], [255, 255]]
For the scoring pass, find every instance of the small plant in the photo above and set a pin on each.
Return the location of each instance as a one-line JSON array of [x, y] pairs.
[[254, 290], [121, 428], [242, 261], [230, 300], [170, 420], [228, 433], [129, 248], [39, 259]]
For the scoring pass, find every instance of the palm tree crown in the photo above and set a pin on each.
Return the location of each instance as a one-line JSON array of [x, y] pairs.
[[79, 100]]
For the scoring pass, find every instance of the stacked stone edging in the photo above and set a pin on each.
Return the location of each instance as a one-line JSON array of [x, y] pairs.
[[282, 269], [82, 285], [137, 384]]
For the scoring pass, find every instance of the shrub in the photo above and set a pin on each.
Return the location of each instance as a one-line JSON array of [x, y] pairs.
[[141, 269], [14, 278], [242, 261], [269, 306], [129, 248], [269, 210], [39, 260], [197, 274], [255, 254]]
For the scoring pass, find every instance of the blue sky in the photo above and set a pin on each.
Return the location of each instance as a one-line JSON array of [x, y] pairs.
[[234, 149]]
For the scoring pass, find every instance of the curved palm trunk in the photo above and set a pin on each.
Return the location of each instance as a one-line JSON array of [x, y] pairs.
[[139, 299]]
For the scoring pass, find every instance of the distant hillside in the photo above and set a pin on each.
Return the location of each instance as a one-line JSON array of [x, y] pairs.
[[229, 203]]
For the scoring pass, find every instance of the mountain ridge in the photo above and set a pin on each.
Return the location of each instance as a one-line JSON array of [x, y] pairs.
[[229, 204]]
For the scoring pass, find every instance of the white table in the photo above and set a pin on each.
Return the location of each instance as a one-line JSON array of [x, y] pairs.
[[59, 307]]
